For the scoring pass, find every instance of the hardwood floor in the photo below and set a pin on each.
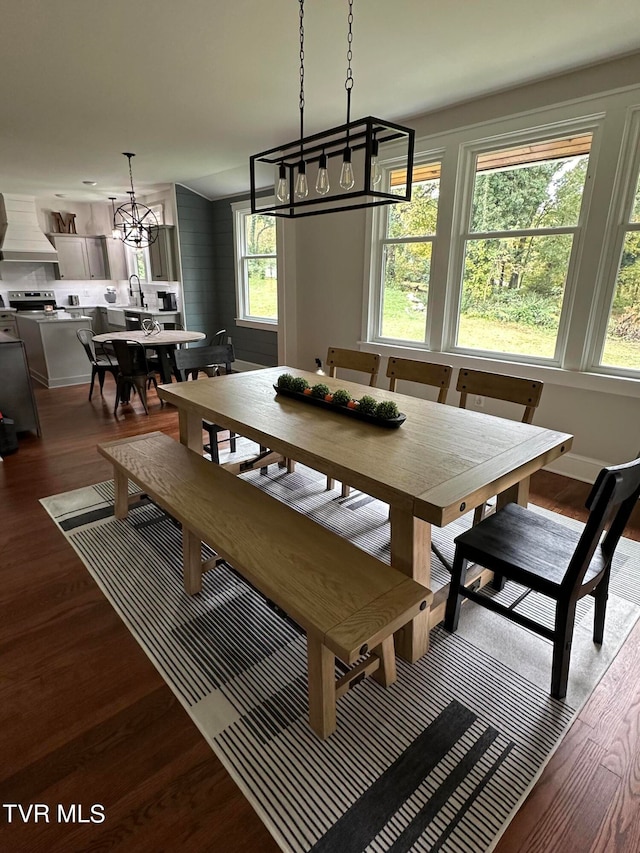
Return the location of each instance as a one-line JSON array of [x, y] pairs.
[[87, 720]]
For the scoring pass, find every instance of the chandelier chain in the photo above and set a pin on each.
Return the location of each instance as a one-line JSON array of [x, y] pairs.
[[348, 83], [301, 74]]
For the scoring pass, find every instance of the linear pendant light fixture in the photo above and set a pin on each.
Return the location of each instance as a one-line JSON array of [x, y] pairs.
[[134, 221], [338, 169]]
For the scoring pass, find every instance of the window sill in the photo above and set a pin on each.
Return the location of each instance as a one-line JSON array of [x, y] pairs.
[[623, 386], [265, 325]]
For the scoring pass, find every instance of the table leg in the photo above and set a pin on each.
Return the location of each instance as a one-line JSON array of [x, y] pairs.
[[411, 554], [190, 430], [165, 358], [517, 494]]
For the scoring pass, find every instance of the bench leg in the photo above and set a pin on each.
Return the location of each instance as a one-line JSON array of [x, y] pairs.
[[121, 494], [386, 672], [191, 561], [322, 688]]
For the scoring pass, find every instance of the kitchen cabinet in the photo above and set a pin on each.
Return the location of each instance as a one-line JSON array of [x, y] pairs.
[[80, 258], [16, 393], [8, 323], [162, 254]]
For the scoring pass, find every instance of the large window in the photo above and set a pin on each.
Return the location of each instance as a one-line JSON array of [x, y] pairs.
[[256, 267], [405, 249], [523, 221], [622, 341]]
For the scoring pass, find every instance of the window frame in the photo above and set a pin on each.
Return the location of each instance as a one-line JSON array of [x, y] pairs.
[[242, 210]]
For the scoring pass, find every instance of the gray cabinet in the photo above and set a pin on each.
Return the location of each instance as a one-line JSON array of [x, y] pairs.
[[163, 254], [8, 323], [80, 258], [16, 394]]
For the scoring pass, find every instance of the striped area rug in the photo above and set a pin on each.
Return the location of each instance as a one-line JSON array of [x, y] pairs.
[[439, 761]]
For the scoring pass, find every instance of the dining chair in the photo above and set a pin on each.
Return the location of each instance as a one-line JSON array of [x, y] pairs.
[[101, 364], [189, 363], [498, 386], [349, 359], [134, 372], [551, 559], [426, 373]]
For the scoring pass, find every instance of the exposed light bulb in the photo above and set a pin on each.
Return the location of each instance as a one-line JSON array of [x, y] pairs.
[[302, 187], [282, 188], [376, 171], [322, 181], [347, 179]]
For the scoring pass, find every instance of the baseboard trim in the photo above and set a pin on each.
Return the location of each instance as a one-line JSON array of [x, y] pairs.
[[582, 468]]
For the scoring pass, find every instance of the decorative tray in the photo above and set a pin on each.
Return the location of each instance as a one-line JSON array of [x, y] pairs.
[[391, 423]]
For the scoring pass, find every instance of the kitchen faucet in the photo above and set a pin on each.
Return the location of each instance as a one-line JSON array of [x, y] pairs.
[[131, 277]]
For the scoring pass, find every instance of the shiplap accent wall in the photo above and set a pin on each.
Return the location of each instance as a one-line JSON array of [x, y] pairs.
[[258, 346], [197, 254]]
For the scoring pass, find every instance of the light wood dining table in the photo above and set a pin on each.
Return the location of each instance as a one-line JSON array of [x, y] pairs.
[[438, 465]]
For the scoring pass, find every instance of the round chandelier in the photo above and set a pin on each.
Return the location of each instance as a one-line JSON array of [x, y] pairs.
[[135, 222]]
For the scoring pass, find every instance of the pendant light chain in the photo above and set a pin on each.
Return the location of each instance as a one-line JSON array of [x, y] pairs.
[[301, 74], [348, 83], [129, 156]]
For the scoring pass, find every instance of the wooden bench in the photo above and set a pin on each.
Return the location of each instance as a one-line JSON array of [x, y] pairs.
[[348, 602]]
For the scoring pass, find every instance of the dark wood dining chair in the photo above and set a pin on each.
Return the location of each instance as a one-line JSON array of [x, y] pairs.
[[189, 363], [544, 556], [101, 363], [134, 372], [350, 359], [498, 386]]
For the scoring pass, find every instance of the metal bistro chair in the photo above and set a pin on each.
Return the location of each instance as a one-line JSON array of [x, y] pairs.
[[349, 359], [546, 557], [101, 364], [134, 372], [189, 362]]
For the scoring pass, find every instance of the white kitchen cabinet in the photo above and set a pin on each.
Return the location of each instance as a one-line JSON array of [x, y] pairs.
[[16, 393], [97, 257], [162, 254]]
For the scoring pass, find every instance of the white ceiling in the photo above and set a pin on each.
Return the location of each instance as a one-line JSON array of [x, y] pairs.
[[194, 87]]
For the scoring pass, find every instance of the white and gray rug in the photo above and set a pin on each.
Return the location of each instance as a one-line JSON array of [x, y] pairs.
[[439, 761]]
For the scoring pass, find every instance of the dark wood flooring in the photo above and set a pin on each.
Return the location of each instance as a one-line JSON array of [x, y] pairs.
[[87, 720]]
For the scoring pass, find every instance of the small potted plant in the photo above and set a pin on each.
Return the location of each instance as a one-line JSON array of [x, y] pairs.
[[367, 405], [387, 410], [341, 397], [299, 384], [320, 391]]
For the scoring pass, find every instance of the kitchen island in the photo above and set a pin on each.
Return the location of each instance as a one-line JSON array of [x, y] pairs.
[[56, 356]]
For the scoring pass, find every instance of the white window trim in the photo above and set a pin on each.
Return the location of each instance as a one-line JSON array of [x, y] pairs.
[[240, 210]]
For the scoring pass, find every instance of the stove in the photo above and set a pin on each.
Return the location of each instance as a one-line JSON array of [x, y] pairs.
[[32, 300]]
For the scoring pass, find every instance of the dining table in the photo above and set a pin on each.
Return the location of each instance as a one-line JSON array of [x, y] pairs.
[[164, 342], [438, 465]]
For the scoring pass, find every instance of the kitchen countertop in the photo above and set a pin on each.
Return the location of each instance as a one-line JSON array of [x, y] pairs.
[[55, 317]]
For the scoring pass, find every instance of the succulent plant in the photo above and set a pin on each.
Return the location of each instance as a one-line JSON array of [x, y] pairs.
[[320, 390], [387, 410], [298, 383], [284, 381], [368, 405], [341, 397]]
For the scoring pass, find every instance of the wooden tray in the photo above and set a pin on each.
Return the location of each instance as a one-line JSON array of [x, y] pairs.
[[391, 423]]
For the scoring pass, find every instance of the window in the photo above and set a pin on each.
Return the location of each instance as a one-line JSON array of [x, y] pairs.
[[523, 221], [256, 267], [405, 251], [622, 340]]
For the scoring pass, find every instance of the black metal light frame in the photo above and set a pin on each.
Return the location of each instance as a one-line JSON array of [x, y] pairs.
[[136, 222], [361, 137]]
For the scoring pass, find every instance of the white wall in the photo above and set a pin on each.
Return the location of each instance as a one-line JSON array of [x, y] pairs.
[[331, 262]]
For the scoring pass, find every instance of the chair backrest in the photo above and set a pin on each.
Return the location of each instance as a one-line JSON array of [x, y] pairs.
[[219, 338], [610, 503], [425, 372], [498, 386], [85, 336], [201, 357], [132, 359], [350, 359], [132, 324]]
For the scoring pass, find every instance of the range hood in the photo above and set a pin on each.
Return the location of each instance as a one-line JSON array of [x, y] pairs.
[[21, 238]]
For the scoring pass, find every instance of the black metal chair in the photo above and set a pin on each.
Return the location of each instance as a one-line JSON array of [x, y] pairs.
[[134, 372], [546, 557], [189, 363], [101, 364]]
